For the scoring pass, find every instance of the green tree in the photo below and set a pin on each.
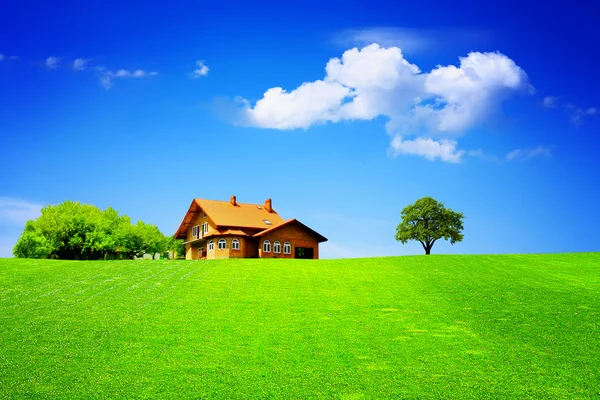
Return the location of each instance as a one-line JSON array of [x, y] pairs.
[[108, 236], [427, 221], [63, 227], [176, 246], [32, 244], [72, 230], [149, 239]]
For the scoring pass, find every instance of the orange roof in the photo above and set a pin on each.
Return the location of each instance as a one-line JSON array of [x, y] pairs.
[[225, 232], [319, 237], [242, 215], [225, 214]]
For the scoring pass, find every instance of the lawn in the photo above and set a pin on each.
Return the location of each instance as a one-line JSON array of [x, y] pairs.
[[498, 326]]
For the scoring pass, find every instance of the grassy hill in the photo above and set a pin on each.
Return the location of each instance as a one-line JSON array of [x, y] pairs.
[[509, 326]]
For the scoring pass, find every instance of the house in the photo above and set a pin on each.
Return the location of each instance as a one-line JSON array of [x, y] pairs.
[[227, 229]]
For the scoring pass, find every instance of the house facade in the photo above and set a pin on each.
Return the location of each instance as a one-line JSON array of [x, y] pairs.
[[215, 229]]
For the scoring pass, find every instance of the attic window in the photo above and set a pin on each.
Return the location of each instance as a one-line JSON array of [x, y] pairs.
[[267, 221], [259, 207]]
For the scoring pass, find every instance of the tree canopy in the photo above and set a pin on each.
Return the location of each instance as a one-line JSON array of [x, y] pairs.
[[75, 231], [427, 221]]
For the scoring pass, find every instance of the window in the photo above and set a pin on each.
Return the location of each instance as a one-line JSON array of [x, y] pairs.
[[235, 244], [267, 246], [267, 221], [287, 248], [196, 231], [222, 244], [276, 247], [200, 251], [211, 245], [204, 228]]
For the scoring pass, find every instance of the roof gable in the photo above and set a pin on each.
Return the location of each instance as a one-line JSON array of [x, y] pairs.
[[320, 238]]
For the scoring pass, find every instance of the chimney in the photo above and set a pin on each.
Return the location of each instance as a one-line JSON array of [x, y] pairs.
[[268, 205], [233, 201]]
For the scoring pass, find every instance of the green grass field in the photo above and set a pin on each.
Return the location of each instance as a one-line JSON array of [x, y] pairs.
[[509, 326]]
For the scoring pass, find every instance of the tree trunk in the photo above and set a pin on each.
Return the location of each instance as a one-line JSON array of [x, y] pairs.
[[427, 247]]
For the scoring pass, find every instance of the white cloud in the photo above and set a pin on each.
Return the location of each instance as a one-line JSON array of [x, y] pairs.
[[360, 85], [374, 81], [523, 154], [514, 154], [139, 73], [52, 62], [106, 81], [4, 57], [469, 91], [311, 103], [445, 150], [482, 155], [371, 67], [17, 212], [201, 69], [108, 77], [80, 64], [576, 114], [550, 101]]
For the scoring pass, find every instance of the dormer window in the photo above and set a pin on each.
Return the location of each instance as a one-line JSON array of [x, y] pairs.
[[267, 221]]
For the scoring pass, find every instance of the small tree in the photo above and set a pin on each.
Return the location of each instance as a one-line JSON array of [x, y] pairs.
[[150, 240], [176, 246], [427, 221]]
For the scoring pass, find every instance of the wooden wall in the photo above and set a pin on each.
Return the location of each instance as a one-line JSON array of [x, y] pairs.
[[297, 236], [247, 248]]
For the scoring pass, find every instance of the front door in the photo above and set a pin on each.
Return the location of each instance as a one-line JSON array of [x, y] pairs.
[[305, 252]]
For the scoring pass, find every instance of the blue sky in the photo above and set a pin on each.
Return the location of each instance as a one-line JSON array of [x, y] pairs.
[[341, 113]]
